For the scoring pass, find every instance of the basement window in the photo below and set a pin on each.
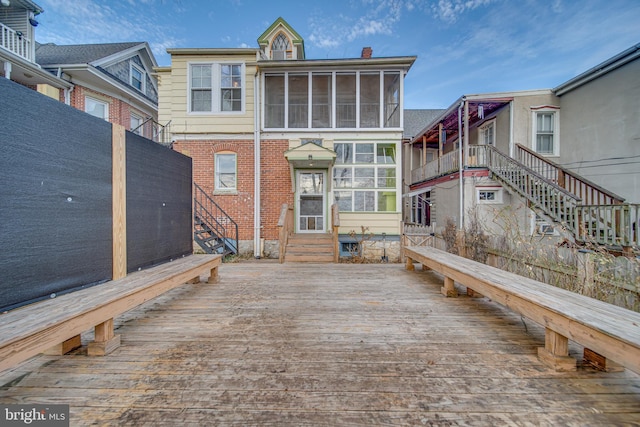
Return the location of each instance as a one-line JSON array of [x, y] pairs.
[[489, 195]]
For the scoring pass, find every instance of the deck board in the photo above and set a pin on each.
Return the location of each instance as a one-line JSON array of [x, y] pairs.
[[318, 344]]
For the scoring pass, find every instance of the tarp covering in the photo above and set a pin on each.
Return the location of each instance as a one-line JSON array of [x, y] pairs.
[[55, 197], [159, 201]]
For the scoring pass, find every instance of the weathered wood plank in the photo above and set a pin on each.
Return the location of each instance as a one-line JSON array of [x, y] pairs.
[[607, 329], [276, 344]]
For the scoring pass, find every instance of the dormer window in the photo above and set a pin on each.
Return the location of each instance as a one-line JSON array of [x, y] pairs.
[[137, 77], [280, 47]]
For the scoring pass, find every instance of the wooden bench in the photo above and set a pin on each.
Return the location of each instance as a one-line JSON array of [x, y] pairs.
[[610, 334], [54, 325]]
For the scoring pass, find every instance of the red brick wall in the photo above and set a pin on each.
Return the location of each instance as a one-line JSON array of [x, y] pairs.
[[275, 183], [119, 111]]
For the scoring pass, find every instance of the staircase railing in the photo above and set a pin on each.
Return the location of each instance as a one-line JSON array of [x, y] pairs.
[[214, 230], [335, 227], [285, 224], [553, 200], [589, 192]]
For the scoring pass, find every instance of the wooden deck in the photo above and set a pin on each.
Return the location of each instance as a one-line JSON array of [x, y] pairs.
[[323, 344]]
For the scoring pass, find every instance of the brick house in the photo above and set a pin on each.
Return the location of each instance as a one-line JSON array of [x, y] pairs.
[[266, 126], [113, 81]]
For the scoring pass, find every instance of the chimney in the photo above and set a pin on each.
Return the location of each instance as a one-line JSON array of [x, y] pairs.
[[366, 52]]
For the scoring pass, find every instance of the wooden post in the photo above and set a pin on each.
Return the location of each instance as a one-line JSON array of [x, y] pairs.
[[600, 362], [119, 182], [213, 275], [105, 340], [555, 352], [65, 347], [409, 265], [449, 290]]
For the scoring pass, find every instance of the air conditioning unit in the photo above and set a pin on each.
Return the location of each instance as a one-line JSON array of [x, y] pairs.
[[545, 228]]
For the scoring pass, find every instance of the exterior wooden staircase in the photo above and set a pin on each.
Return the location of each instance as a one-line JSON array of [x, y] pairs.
[[309, 248]]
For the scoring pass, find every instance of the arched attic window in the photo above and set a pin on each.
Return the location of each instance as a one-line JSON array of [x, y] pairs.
[[279, 47]]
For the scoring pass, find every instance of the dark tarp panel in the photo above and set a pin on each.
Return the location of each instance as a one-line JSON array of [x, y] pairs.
[[55, 197], [159, 201]]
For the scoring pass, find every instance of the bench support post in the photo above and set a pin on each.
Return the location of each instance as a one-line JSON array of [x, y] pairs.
[[105, 340], [449, 290], [409, 265], [600, 362], [64, 347], [555, 352], [213, 275]]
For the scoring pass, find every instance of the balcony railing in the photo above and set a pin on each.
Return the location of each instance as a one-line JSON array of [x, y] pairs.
[[448, 163], [16, 42]]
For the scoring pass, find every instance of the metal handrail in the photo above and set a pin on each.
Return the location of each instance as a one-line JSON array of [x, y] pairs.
[[212, 215]]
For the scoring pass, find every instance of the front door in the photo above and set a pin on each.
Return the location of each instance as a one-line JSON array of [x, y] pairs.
[[310, 201]]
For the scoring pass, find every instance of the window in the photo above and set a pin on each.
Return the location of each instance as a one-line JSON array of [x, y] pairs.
[[369, 100], [274, 101], [136, 122], [391, 99], [487, 134], [364, 177], [137, 79], [346, 100], [332, 100], [280, 47], [231, 88], [298, 100], [96, 108], [489, 195], [546, 131], [321, 100], [225, 172], [201, 88], [215, 88]]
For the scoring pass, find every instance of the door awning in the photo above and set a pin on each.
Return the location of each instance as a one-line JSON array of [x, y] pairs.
[[310, 156]]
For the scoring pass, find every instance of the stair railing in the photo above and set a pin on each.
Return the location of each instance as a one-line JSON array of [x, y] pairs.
[[556, 202], [335, 227], [285, 224], [589, 192], [208, 215]]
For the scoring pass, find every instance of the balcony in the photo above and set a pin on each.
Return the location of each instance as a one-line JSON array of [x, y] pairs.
[[16, 42]]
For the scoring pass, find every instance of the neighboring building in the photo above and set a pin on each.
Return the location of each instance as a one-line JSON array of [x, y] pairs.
[[266, 126], [18, 19], [113, 81], [537, 159]]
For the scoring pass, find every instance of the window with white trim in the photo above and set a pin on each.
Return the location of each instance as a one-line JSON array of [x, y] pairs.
[[136, 122], [364, 177], [216, 88], [546, 131], [487, 133], [137, 77], [96, 108], [225, 172], [488, 195]]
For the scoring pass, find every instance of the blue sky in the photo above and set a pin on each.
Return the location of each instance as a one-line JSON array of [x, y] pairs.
[[463, 46]]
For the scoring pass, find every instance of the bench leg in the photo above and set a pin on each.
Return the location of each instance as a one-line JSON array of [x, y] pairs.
[[600, 362], [555, 352], [194, 281], [409, 265], [213, 276], [64, 347], [449, 290], [473, 294], [105, 340]]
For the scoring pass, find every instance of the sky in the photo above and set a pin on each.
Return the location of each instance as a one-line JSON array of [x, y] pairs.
[[462, 46]]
